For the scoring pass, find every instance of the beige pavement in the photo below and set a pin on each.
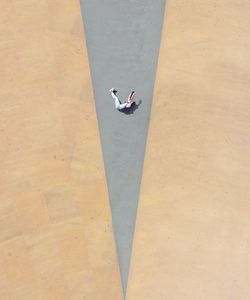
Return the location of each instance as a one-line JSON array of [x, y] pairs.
[[192, 238], [56, 239]]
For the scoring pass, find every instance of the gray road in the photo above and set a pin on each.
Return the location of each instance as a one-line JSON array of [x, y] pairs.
[[123, 39]]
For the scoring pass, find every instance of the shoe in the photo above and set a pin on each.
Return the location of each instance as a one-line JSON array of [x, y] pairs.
[[112, 90]]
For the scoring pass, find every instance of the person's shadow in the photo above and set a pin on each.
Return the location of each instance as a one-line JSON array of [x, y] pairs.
[[132, 109]]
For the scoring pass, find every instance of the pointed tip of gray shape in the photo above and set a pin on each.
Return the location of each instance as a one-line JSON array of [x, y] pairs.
[[123, 39]]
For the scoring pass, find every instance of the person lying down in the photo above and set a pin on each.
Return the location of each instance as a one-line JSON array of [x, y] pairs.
[[121, 106]]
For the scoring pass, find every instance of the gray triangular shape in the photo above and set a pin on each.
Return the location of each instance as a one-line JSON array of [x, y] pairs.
[[123, 39]]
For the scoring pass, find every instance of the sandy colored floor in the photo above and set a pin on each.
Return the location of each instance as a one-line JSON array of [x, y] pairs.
[[192, 233], [193, 227], [56, 239]]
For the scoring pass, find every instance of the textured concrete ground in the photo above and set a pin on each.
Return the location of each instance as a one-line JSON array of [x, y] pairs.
[[56, 239], [123, 39], [193, 227], [192, 233]]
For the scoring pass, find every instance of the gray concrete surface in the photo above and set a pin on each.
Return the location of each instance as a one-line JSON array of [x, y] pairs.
[[123, 39]]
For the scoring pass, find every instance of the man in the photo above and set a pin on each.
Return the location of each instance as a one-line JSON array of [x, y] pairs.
[[118, 104]]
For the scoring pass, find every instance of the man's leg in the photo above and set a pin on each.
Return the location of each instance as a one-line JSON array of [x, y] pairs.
[[118, 104], [123, 105]]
